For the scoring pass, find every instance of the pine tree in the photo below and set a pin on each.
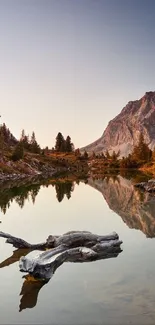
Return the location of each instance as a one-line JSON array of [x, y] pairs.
[[63, 146], [107, 154], [141, 152], [77, 152], [5, 132], [93, 155], [33, 138], [25, 140], [59, 192], [68, 145], [18, 152], [34, 146], [60, 143], [22, 135], [1, 140], [114, 156], [102, 155], [85, 155]]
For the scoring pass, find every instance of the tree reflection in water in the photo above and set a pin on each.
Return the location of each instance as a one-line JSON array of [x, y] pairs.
[[21, 193]]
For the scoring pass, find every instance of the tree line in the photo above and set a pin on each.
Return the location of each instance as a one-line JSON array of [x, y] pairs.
[[26, 143], [141, 154], [30, 144]]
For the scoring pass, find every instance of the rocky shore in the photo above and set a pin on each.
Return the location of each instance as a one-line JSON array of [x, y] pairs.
[[22, 170], [148, 186], [19, 176]]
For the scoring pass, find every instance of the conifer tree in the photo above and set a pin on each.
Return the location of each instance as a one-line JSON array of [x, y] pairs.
[[68, 144], [34, 146], [77, 152], [22, 135], [1, 140], [93, 155], [60, 143], [114, 156], [18, 152], [85, 155], [141, 151], [25, 140], [107, 154], [102, 155]]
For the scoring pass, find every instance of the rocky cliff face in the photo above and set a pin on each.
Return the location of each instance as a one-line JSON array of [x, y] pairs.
[[136, 208], [122, 133]]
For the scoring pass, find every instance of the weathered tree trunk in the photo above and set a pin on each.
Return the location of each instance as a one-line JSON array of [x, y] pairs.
[[74, 246], [70, 239], [21, 243], [44, 266]]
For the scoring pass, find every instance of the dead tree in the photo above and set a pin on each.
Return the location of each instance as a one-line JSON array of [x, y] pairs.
[[74, 246]]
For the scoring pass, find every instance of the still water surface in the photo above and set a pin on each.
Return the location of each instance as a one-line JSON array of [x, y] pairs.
[[120, 290]]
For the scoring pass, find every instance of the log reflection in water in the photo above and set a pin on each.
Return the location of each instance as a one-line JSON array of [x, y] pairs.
[[17, 254], [29, 292]]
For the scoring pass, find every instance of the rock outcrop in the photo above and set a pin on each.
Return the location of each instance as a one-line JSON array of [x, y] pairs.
[[122, 133], [147, 186]]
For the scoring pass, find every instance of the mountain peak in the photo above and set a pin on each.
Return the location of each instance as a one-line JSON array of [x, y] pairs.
[[122, 133], [150, 93]]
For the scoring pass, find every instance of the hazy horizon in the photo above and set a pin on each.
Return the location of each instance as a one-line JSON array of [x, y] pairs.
[[71, 66]]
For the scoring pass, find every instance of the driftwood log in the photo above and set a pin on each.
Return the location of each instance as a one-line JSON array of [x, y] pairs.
[[74, 246]]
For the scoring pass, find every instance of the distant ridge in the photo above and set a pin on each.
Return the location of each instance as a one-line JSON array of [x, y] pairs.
[[122, 133]]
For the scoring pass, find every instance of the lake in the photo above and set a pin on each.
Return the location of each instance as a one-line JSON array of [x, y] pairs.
[[119, 290]]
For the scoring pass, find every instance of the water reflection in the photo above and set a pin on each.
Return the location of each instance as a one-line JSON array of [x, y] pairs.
[[136, 208], [22, 192], [29, 292], [17, 254], [31, 286], [63, 189]]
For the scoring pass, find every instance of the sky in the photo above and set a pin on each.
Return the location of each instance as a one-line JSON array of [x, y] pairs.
[[70, 66]]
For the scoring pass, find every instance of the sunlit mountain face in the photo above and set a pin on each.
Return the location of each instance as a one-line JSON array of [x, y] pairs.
[[122, 132]]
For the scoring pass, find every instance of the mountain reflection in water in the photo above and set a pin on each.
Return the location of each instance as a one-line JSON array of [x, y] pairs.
[[136, 208]]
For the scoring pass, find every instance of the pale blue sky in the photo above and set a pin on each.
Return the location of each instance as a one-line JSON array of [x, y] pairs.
[[72, 65]]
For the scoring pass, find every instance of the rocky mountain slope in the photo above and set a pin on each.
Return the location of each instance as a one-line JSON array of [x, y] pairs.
[[122, 133], [136, 208]]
